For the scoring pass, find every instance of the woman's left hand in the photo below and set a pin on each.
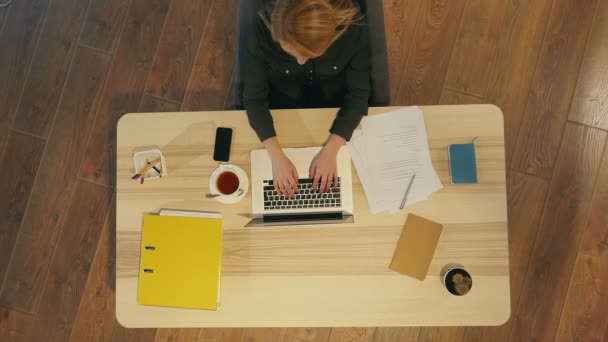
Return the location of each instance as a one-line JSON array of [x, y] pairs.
[[324, 169]]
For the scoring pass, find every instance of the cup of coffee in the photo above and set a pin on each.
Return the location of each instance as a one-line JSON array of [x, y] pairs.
[[457, 281]]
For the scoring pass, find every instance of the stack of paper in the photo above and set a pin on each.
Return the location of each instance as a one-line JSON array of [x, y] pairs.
[[388, 150]]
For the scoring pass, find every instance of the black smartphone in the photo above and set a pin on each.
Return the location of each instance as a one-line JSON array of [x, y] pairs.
[[223, 140]]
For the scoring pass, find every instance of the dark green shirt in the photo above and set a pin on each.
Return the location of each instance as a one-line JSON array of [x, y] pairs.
[[338, 78]]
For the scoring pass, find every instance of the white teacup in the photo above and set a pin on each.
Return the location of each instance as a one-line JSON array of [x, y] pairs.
[[229, 182]]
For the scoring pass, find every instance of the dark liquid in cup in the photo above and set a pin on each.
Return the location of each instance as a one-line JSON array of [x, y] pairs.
[[458, 281], [227, 183]]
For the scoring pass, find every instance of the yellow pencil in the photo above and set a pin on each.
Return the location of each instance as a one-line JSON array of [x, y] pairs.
[[142, 172]]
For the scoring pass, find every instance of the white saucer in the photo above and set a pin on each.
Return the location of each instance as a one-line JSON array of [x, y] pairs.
[[243, 183]]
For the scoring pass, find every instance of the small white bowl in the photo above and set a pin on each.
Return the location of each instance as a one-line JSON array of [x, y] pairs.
[[142, 157]]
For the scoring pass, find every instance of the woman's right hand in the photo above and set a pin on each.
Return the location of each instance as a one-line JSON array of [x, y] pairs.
[[285, 176], [284, 173]]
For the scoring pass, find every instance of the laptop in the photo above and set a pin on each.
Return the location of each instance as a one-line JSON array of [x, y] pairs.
[[309, 207]]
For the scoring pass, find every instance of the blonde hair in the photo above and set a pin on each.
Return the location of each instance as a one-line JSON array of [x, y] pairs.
[[310, 26]]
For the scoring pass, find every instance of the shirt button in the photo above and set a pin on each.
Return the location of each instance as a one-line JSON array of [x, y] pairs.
[[335, 67], [287, 71], [310, 71]]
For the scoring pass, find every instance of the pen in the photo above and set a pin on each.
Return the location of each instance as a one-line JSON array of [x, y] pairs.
[[407, 191]]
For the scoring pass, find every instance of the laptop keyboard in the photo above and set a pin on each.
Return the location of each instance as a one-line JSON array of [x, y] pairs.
[[307, 198]]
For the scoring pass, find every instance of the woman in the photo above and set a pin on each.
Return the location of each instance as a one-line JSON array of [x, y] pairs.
[[307, 54]]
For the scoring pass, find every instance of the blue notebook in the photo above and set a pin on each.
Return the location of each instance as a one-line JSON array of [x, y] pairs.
[[463, 166]]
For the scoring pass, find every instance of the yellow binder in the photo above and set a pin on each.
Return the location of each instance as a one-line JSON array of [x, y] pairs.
[[180, 262]]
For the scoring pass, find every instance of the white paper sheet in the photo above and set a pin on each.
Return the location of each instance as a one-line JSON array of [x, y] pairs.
[[387, 151]]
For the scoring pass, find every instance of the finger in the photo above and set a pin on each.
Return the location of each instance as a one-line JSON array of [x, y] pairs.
[[316, 181], [330, 179], [313, 173], [325, 179], [290, 185], [315, 178], [283, 189], [293, 184], [295, 179], [288, 189], [278, 183], [323, 183]]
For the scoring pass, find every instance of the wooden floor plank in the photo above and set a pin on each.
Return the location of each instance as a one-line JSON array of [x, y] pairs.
[[124, 86], [526, 197], [96, 316], [475, 47], [400, 19], [122, 334], [352, 334], [263, 334], [396, 334], [553, 86], [584, 315], [221, 335], [517, 50], [555, 249], [71, 263], [3, 11], [595, 239], [53, 187], [151, 104], [18, 40], [14, 325], [451, 97], [50, 65], [177, 49], [18, 169], [104, 21], [441, 334], [212, 70], [429, 57], [309, 334], [177, 335], [590, 103]]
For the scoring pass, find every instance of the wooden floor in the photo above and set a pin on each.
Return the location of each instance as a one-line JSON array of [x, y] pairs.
[[70, 68]]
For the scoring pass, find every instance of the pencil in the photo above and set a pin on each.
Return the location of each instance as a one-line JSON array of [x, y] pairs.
[[149, 165], [407, 191]]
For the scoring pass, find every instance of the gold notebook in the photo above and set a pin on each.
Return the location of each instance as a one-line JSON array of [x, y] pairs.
[[416, 247], [180, 262]]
